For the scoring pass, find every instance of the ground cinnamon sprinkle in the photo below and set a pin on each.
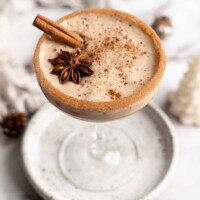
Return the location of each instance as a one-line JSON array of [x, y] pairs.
[[114, 94], [122, 54]]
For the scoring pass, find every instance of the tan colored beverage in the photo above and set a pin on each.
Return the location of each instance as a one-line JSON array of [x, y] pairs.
[[128, 63]]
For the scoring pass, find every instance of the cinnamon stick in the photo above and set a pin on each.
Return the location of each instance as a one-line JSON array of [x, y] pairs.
[[58, 32]]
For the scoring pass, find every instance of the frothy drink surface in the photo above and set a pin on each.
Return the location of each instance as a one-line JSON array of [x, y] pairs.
[[124, 57]]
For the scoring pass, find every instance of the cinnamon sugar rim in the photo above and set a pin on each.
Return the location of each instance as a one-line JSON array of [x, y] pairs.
[[105, 105]]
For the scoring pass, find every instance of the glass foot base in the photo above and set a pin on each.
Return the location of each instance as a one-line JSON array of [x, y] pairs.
[[132, 159], [101, 166]]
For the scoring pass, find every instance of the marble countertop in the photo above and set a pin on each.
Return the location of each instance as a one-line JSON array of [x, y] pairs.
[[185, 184]]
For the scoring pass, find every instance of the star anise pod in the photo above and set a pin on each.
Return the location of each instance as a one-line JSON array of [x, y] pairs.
[[71, 66], [14, 123]]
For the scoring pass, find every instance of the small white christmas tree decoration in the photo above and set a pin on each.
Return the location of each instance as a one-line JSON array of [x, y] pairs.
[[185, 102]]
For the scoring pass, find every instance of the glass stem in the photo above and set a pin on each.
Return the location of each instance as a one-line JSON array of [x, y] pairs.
[[98, 146]]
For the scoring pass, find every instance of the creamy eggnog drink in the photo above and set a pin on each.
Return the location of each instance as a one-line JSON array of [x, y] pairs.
[[124, 65]]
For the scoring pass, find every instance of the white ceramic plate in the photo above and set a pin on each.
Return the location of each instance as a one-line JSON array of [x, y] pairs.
[[149, 128]]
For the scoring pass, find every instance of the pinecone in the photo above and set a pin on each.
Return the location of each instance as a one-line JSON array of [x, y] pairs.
[[14, 123], [163, 27]]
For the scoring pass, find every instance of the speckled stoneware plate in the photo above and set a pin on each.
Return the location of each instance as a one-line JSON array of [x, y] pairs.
[[153, 137]]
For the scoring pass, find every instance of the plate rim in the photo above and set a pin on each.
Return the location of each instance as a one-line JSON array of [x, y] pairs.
[[154, 193]]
